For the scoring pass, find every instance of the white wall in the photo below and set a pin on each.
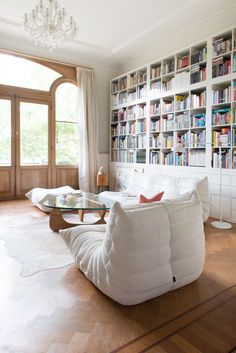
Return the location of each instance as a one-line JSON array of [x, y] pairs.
[[184, 38]]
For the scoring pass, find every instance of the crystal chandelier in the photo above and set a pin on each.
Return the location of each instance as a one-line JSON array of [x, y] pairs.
[[49, 25]]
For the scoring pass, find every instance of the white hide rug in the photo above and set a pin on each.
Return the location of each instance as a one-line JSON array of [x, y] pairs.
[[30, 241]]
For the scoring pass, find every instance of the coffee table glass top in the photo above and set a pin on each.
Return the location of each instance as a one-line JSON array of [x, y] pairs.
[[85, 201]]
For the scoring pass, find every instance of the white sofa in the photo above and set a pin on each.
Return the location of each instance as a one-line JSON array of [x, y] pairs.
[[149, 185], [143, 251]]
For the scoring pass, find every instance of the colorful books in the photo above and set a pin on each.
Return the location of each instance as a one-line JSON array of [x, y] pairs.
[[221, 136], [221, 116], [221, 95], [198, 120], [198, 99]]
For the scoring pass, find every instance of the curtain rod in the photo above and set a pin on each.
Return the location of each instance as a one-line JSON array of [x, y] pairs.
[[43, 59]]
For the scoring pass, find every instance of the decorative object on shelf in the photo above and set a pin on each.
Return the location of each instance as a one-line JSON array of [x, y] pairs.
[[221, 224], [178, 148], [49, 25], [102, 179]]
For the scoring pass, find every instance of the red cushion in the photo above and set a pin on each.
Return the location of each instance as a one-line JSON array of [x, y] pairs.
[[157, 197]]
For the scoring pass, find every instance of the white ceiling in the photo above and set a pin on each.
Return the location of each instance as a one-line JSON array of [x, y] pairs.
[[113, 31]]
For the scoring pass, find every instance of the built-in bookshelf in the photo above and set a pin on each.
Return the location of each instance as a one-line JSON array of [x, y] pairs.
[[177, 99]]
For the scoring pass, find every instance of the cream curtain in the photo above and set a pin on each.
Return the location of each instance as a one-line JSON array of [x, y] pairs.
[[88, 127]]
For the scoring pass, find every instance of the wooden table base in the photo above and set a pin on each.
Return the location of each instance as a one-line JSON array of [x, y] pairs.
[[57, 222]]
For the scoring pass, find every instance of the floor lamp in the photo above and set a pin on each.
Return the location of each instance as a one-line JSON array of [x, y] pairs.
[[221, 224]]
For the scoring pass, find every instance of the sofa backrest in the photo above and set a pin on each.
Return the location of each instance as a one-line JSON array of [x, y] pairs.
[[147, 247], [150, 184]]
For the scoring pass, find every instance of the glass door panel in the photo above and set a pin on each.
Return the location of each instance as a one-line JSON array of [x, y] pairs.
[[33, 134], [5, 135]]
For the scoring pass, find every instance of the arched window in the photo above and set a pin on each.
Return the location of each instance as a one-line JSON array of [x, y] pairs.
[[38, 125], [20, 72], [67, 134]]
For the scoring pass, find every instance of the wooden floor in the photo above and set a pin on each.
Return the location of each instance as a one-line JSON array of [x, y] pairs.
[[60, 311]]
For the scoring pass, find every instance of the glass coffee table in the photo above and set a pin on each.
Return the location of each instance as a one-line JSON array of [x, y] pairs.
[[58, 204]]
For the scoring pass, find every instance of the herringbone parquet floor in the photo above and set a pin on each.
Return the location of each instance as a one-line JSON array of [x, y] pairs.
[[60, 311]]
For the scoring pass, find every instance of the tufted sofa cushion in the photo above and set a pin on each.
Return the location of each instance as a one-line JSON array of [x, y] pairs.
[[143, 251], [149, 185]]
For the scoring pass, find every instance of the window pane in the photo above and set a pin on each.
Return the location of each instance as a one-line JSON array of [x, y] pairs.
[[21, 72], [5, 128], [33, 134], [66, 102], [67, 144], [67, 134]]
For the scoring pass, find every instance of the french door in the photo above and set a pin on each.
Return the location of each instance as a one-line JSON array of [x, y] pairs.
[[25, 144]]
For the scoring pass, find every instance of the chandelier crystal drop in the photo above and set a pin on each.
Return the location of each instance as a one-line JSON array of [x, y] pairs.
[[49, 25]]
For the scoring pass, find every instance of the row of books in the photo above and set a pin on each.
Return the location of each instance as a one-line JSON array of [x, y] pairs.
[[167, 122], [198, 56], [141, 156], [182, 120], [197, 139], [168, 158], [155, 71], [198, 99], [198, 120], [221, 136], [194, 158], [156, 88], [225, 159], [221, 66], [155, 141], [198, 74], [234, 62], [168, 105], [234, 91], [221, 116], [124, 142], [167, 141], [180, 80], [129, 113], [192, 139], [155, 124], [141, 126], [131, 142], [181, 102], [155, 157], [234, 137], [119, 156], [221, 95], [168, 67], [181, 159], [155, 108], [136, 78], [221, 46], [182, 62], [141, 141], [234, 159]]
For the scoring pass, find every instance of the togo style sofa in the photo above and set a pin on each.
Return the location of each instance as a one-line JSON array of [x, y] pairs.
[[137, 183], [143, 251]]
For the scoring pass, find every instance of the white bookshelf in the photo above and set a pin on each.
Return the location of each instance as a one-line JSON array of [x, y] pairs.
[[171, 100]]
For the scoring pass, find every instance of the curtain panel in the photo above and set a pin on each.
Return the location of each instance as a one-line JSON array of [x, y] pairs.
[[88, 129]]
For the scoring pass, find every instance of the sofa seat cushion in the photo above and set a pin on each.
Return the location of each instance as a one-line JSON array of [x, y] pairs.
[[141, 252]]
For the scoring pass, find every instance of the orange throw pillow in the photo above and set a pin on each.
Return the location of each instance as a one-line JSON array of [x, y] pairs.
[[157, 197]]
